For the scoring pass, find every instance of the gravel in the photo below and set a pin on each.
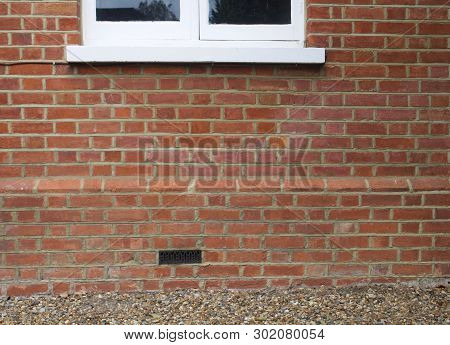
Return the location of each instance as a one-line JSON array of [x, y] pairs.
[[345, 305]]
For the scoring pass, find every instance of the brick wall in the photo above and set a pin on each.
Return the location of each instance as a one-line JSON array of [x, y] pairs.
[[368, 204]]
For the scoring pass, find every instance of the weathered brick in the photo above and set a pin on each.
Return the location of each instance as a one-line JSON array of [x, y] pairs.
[[360, 191]]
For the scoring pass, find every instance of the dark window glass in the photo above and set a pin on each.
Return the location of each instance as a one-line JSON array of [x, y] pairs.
[[250, 12], [138, 10]]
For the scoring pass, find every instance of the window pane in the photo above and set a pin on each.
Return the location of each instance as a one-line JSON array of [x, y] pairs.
[[250, 12], [138, 10]]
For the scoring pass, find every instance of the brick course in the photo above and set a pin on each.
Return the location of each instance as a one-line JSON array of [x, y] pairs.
[[375, 130]]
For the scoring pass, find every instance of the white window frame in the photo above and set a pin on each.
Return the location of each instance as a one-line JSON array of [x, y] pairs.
[[192, 39], [230, 32], [137, 33]]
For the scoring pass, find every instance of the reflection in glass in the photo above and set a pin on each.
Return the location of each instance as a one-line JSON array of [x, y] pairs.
[[138, 10], [250, 12]]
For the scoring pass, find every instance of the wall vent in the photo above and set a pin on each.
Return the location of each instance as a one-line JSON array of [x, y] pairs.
[[173, 257]]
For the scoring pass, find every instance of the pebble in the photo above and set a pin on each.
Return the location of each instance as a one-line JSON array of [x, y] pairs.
[[384, 304]]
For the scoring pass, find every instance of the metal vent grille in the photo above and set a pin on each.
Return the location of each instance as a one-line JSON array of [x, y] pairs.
[[172, 257]]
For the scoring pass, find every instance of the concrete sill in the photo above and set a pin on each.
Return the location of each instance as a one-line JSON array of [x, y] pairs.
[[220, 53]]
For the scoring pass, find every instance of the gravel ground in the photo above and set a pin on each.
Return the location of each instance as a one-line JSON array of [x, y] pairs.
[[346, 305]]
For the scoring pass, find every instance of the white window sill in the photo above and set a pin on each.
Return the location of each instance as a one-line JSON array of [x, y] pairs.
[[211, 51]]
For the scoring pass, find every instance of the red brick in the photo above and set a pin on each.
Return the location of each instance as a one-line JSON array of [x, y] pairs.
[[437, 199], [344, 214], [266, 113], [381, 200], [61, 244], [371, 122], [183, 200], [348, 270], [123, 185], [312, 256], [399, 86], [135, 83], [31, 69], [93, 258], [55, 9], [378, 228], [22, 201], [60, 216], [316, 200], [204, 83], [180, 284], [349, 242], [412, 241], [129, 272], [436, 227], [7, 274], [26, 289], [221, 242], [364, 13], [127, 215], [430, 184], [94, 287], [25, 230], [386, 185], [59, 185], [199, 113], [284, 242], [395, 143], [250, 200], [364, 42], [9, 53], [392, 56], [180, 229], [9, 84], [316, 12], [377, 255], [329, 27], [62, 273], [68, 142], [68, 24], [12, 23], [235, 98], [224, 214], [284, 270], [171, 98], [25, 259], [411, 270], [252, 228], [246, 284], [67, 113], [435, 56], [367, 128], [91, 201], [218, 271], [90, 230], [284, 214], [246, 256], [413, 213], [395, 28], [268, 84], [346, 185], [434, 28]]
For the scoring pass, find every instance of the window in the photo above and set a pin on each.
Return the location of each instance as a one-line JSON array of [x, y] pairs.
[[268, 20], [194, 31], [137, 22]]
